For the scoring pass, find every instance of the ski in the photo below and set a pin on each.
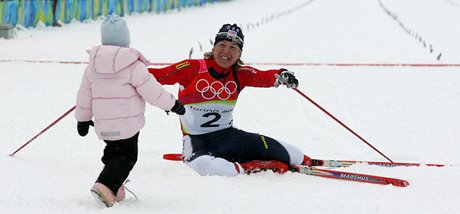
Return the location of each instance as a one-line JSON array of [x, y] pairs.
[[332, 163], [346, 163], [327, 173], [349, 176]]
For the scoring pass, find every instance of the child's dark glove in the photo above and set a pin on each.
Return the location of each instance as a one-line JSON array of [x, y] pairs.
[[178, 108], [83, 127]]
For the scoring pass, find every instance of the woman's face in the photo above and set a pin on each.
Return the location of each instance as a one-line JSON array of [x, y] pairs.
[[226, 53]]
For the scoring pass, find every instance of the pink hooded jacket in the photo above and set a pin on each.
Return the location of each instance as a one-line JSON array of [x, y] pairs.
[[114, 89]]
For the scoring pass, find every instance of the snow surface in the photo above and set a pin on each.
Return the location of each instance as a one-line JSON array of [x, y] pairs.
[[409, 113]]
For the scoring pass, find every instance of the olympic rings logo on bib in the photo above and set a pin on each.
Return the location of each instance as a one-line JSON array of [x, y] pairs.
[[216, 88]]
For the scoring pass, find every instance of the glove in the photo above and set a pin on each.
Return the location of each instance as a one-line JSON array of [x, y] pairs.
[[83, 127], [287, 78], [178, 108]]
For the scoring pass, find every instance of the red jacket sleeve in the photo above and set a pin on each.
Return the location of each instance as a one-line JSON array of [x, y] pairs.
[[182, 72], [249, 76]]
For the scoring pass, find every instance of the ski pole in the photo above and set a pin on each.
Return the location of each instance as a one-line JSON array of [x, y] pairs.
[[340, 122], [44, 130]]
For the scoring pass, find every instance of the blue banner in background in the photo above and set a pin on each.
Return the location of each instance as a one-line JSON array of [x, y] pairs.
[[10, 12], [98, 5], [68, 11], [29, 13], [30, 8], [45, 12], [112, 6], [82, 10]]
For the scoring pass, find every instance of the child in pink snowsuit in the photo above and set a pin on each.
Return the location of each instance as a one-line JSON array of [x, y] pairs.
[[113, 91]]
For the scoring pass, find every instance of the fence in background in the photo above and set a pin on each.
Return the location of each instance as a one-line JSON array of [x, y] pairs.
[[29, 13]]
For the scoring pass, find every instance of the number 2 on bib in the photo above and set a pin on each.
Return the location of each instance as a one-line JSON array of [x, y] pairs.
[[214, 117]]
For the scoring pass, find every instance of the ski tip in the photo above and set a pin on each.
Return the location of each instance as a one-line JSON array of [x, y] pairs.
[[173, 157], [399, 183]]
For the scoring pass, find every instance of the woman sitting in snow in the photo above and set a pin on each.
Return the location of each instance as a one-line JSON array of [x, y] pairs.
[[209, 89]]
